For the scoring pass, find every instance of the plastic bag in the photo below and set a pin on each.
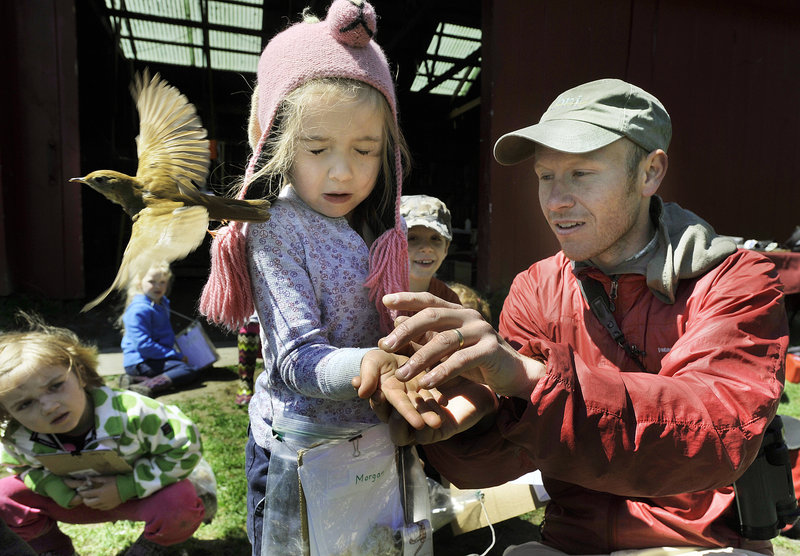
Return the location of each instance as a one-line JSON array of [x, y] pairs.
[[195, 344], [205, 485], [284, 531], [283, 518], [365, 496], [445, 505]]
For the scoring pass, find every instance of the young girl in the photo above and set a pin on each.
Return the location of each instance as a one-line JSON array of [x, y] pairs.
[[53, 401], [324, 127], [152, 364]]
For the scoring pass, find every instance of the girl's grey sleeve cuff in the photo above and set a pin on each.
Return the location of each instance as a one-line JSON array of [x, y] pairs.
[[341, 366]]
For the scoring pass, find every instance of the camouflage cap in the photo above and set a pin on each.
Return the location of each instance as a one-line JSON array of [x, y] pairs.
[[424, 210]]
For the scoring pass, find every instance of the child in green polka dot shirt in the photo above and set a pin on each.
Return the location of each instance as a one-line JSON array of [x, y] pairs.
[[52, 400]]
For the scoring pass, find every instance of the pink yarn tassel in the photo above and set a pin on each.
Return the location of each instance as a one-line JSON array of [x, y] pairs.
[[227, 299], [388, 259], [388, 263]]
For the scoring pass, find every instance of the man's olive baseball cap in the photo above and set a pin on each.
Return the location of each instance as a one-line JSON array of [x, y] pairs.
[[589, 117]]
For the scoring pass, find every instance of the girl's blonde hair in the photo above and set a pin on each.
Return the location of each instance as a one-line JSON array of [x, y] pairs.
[[39, 345], [278, 152]]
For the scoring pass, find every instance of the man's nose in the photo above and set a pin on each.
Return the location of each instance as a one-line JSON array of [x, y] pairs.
[[557, 195]]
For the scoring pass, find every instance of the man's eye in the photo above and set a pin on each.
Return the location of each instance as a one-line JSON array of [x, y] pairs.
[[545, 177]]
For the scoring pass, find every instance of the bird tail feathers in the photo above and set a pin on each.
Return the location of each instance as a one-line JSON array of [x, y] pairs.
[[226, 208]]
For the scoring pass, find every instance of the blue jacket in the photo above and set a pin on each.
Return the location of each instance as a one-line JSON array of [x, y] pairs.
[[148, 332]]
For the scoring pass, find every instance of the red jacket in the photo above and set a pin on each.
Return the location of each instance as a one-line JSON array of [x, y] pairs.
[[633, 459]]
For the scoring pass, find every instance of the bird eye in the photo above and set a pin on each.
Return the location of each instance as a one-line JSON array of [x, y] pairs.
[[100, 179]]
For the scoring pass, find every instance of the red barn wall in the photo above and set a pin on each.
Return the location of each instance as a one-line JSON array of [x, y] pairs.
[[40, 222], [726, 72]]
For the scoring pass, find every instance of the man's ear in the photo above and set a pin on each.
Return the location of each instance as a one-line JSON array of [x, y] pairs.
[[655, 168]]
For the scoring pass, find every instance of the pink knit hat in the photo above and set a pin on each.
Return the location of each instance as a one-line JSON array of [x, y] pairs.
[[339, 46]]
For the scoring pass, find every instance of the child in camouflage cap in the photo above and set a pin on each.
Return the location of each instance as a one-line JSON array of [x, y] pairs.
[[52, 401], [429, 236]]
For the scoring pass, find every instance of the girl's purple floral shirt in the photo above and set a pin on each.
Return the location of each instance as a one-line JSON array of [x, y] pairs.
[[307, 273]]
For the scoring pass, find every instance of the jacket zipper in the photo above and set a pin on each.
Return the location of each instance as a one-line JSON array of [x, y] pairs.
[[635, 352], [612, 294]]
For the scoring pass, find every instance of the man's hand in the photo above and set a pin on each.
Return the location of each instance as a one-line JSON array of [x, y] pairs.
[[455, 341], [99, 493]]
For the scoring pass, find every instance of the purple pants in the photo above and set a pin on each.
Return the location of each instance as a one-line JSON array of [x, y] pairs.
[[171, 515]]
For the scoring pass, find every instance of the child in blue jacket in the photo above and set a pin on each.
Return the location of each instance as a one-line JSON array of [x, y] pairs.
[[152, 364]]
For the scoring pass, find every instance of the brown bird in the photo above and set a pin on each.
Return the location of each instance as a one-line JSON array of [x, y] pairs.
[[170, 215]]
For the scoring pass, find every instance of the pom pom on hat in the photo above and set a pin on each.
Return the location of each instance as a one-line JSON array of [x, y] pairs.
[[340, 46], [352, 22]]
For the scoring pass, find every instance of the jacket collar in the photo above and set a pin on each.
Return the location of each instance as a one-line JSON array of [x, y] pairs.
[[684, 246]]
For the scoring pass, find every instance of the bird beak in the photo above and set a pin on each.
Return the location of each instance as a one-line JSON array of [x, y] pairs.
[[79, 180]]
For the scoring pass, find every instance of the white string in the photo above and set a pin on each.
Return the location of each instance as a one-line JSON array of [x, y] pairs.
[[491, 528], [174, 312]]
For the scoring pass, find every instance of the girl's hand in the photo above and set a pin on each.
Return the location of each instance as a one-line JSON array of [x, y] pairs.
[[378, 381], [100, 493], [75, 484], [375, 366]]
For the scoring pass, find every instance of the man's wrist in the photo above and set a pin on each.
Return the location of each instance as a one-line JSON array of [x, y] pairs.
[[526, 376]]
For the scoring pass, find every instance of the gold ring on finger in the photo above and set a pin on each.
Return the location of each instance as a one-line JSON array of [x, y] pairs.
[[460, 338]]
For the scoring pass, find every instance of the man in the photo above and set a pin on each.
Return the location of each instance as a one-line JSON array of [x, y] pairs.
[[639, 441]]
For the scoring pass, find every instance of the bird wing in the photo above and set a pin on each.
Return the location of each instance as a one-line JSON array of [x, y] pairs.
[[168, 231], [172, 139]]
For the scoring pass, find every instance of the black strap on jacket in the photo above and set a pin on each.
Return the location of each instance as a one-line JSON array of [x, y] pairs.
[[598, 301]]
